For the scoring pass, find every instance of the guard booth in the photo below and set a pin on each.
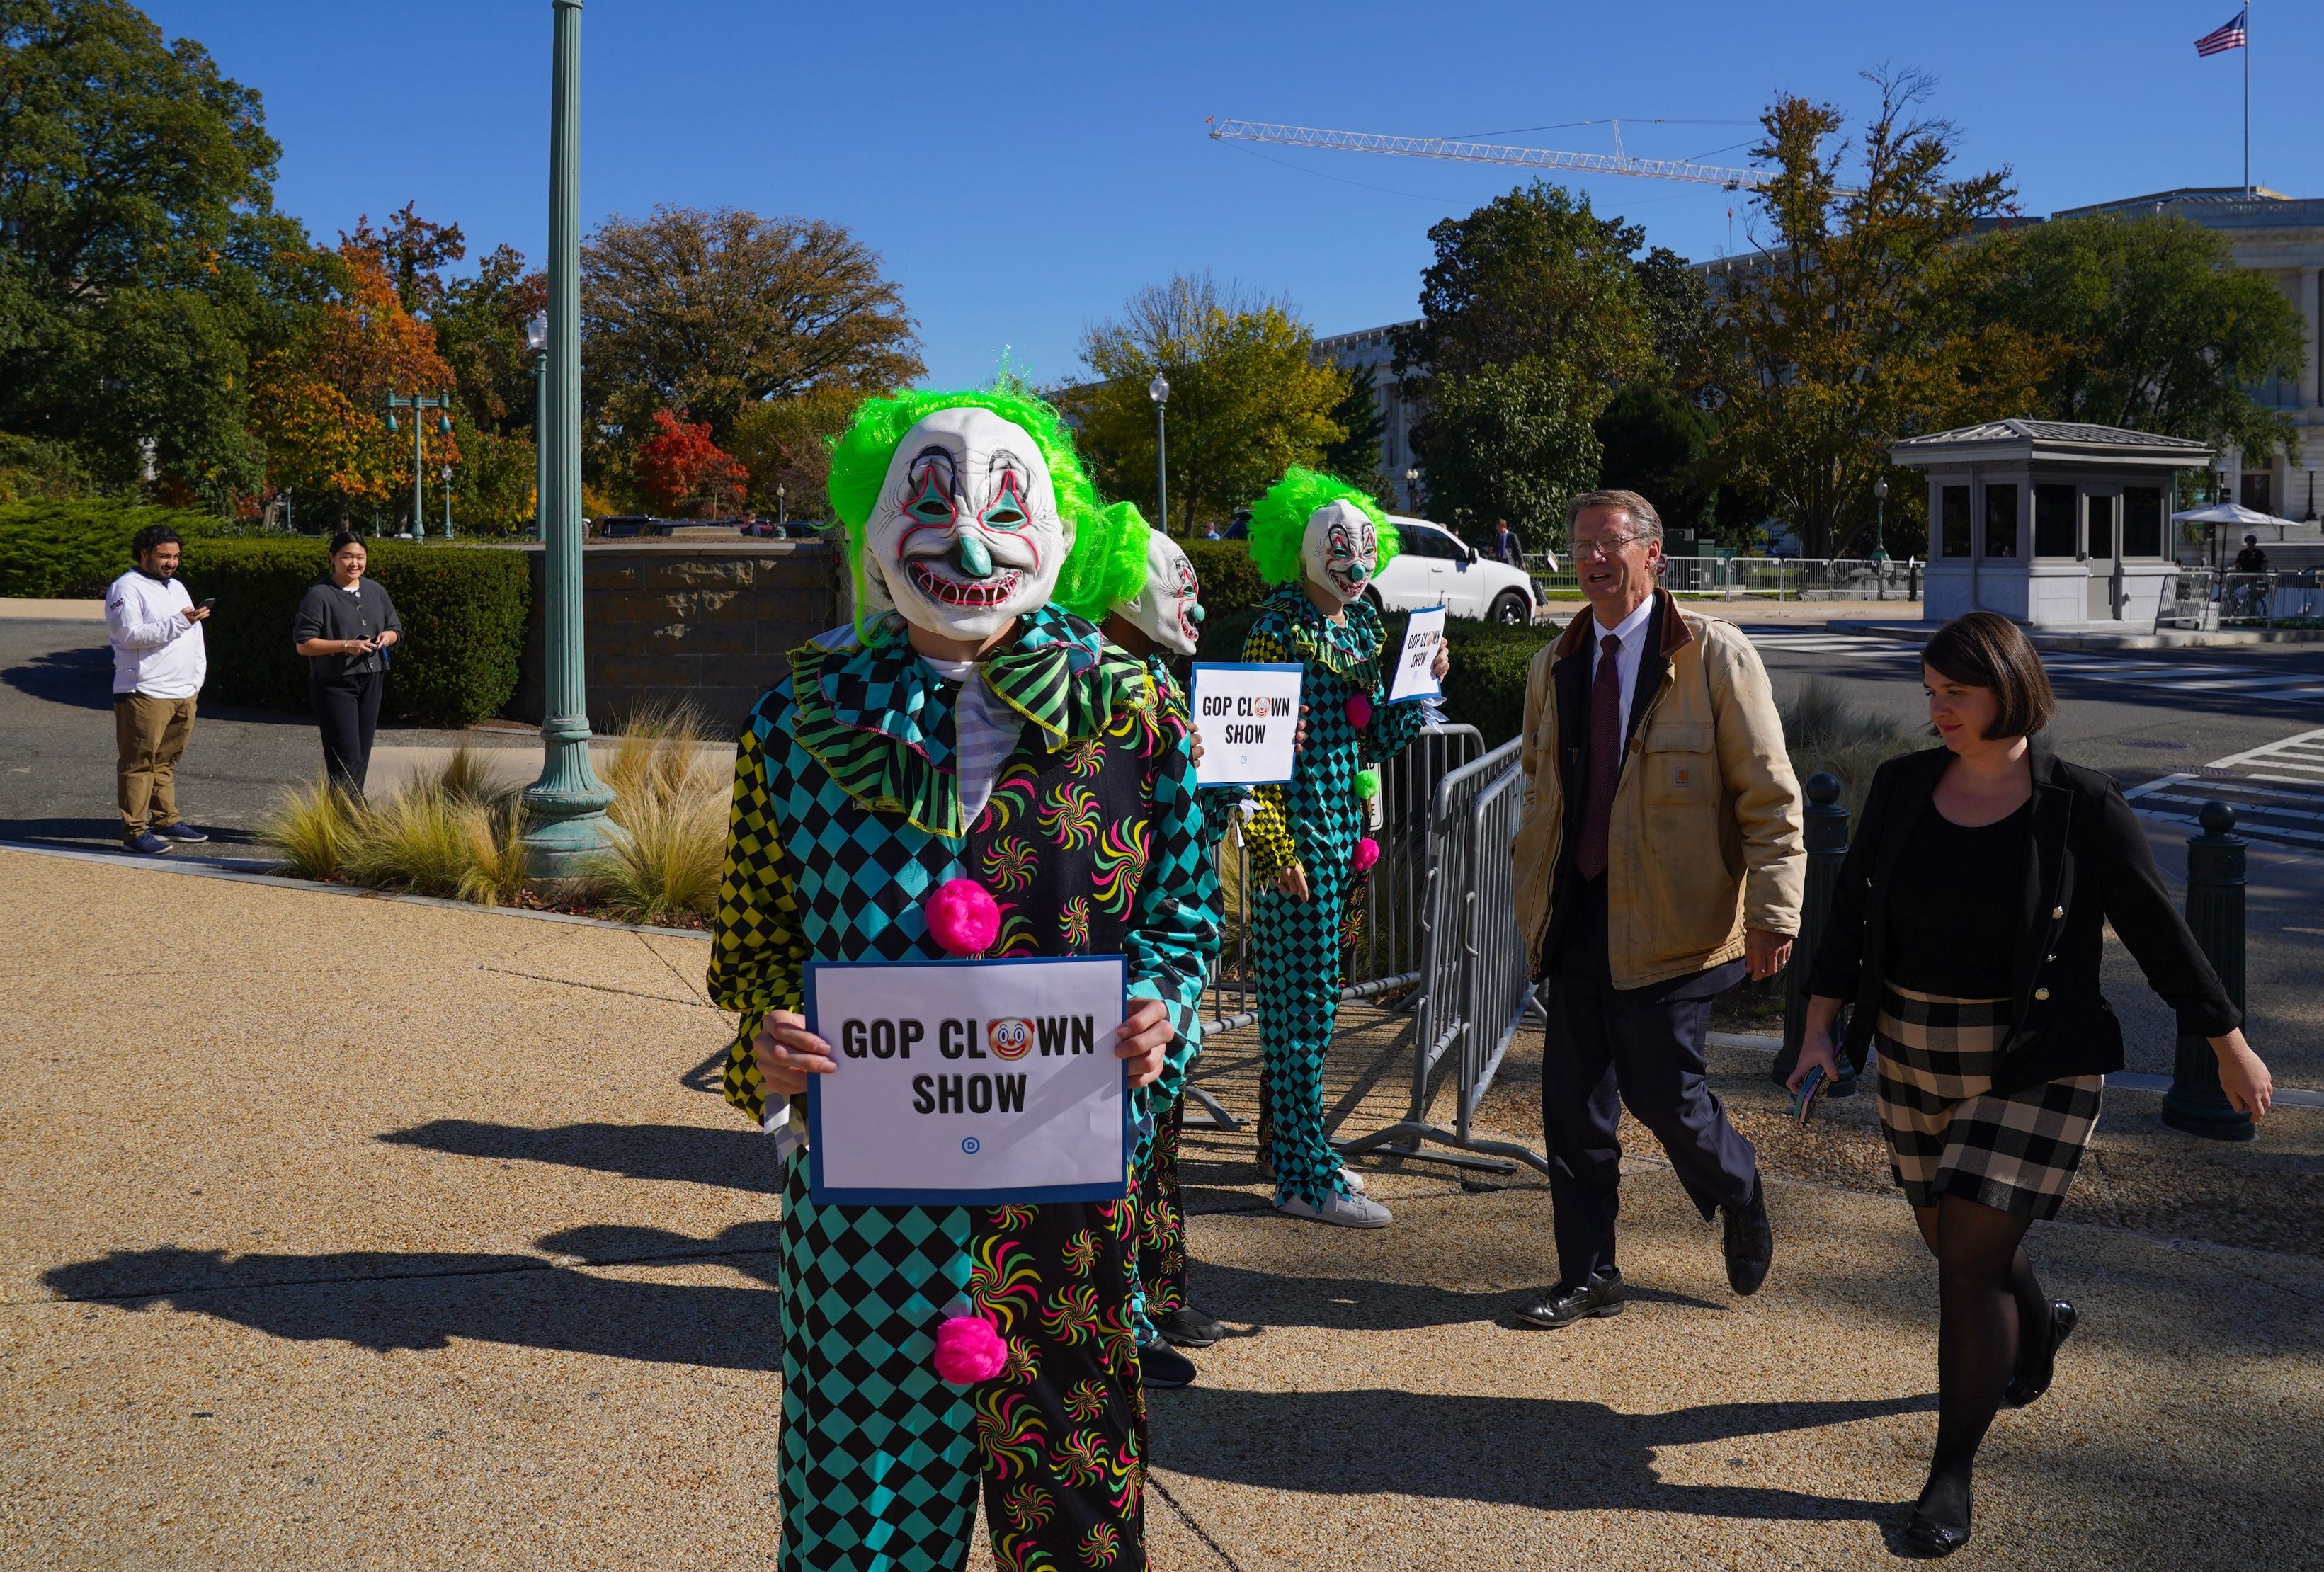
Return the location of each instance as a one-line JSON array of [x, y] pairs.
[[2051, 523]]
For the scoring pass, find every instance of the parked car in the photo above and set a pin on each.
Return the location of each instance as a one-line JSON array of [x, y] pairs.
[[1437, 567], [632, 526]]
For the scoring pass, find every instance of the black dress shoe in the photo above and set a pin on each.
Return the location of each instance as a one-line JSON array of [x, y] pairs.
[[1188, 1327], [1926, 1534], [1159, 1364], [1750, 1243], [1561, 1306], [2027, 1383]]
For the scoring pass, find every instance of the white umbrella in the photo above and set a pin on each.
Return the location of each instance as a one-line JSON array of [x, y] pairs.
[[2232, 513]]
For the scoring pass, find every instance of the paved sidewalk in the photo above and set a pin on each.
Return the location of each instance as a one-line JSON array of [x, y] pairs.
[[378, 1234]]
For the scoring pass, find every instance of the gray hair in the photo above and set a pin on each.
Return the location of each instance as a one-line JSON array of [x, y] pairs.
[[1647, 522]]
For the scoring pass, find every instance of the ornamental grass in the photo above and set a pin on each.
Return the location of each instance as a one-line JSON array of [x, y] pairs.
[[670, 782], [1825, 732]]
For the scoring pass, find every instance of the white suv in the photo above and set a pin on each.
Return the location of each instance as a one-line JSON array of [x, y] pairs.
[[1437, 567]]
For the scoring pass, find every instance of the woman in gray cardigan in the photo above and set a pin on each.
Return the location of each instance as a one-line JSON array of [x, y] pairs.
[[344, 627]]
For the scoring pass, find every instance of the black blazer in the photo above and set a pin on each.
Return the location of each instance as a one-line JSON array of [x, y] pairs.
[[2091, 866]]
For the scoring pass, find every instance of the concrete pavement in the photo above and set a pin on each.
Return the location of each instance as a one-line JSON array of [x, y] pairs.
[[378, 1234]]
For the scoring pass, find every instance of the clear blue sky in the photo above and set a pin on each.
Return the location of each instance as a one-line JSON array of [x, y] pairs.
[[1023, 168]]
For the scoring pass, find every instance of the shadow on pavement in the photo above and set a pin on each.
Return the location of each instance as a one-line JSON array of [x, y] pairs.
[[386, 1299], [1551, 1454], [82, 678], [107, 831], [741, 1158], [1366, 1304]]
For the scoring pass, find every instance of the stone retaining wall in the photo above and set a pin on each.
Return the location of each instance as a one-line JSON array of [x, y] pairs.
[[672, 621]]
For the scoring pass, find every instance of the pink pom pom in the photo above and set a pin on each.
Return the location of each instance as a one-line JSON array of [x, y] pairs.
[[1359, 712], [1367, 854], [963, 917], [969, 1350]]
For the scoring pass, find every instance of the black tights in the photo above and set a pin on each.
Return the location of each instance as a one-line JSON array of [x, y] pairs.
[[1987, 1297]]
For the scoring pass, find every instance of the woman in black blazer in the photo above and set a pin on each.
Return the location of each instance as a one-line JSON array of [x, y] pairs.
[[1967, 932]]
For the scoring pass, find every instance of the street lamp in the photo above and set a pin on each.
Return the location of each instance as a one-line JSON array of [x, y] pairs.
[[781, 517], [1412, 487], [444, 474], [565, 807], [418, 405], [536, 343], [1158, 389], [2310, 517], [1880, 520]]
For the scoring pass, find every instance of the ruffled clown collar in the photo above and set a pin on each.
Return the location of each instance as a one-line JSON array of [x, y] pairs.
[[877, 718], [1349, 650]]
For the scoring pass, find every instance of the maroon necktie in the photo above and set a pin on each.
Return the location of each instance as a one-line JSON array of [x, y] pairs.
[[1601, 760]]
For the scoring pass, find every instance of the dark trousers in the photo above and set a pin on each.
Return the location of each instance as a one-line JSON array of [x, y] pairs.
[[1607, 1047], [346, 709]]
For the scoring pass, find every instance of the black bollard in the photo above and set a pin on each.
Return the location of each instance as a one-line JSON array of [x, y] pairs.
[[2215, 911], [1827, 840]]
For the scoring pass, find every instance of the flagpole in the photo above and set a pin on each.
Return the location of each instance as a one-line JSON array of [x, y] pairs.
[[2247, 53]]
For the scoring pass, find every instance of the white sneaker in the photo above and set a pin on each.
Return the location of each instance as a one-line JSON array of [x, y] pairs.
[[1354, 1180], [1340, 1211]]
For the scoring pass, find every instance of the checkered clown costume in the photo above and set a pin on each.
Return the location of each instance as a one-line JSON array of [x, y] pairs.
[[847, 813], [1306, 528]]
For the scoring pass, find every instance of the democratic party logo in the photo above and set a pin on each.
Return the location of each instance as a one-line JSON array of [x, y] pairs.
[[1010, 1038]]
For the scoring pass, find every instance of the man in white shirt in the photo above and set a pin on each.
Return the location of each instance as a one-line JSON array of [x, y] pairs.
[[158, 666]]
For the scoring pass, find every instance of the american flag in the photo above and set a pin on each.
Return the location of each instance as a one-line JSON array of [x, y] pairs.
[[2231, 36]]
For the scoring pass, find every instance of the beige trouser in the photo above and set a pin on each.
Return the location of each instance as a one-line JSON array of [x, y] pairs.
[[150, 735]]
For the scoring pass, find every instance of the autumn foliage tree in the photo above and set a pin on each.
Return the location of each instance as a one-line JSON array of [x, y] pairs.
[[320, 402], [679, 468]]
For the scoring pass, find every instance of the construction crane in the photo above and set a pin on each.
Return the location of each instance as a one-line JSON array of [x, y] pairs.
[[1596, 163]]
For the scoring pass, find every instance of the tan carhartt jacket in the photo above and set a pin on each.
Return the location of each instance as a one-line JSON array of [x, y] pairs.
[[1705, 838]]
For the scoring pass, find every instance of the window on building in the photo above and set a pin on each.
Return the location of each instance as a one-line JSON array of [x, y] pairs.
[[1956, 521], [2099, 528], [2142, 522], [2053, 521], [2001, 520], [2257, 491]]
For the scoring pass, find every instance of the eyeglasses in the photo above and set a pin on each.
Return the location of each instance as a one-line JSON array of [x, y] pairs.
[[1603, 546]]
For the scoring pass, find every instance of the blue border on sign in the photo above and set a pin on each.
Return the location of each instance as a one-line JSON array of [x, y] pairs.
[[825, 1195], [1435, 690], [1194, 674]]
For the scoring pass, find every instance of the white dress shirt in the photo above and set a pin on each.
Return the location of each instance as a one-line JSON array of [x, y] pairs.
[[1632, 633], [156, 649], [984, 733]]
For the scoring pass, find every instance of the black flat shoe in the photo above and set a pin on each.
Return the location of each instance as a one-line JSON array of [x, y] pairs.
[[1188, 1327], [2025, 1385], [1750, 1243], [1560, 1306], [1931, 1534], [1159, 1364]]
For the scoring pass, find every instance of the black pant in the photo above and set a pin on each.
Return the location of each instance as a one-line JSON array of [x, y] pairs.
[[1645, 1044], [346, 709]]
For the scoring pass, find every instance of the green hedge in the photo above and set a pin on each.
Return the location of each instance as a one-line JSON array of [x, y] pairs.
[[1230, 582], [464, 619], [62, 550]]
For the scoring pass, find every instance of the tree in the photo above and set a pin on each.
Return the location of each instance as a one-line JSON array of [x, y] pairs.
[[680, 468], [2158, 330], [320, 400], [141, 263], [1691, 352], [1356, 457], [1247, 396], [785, 444], [1855, 326], [711, 311], [1510, 443], [413, 252], [1657, 444]]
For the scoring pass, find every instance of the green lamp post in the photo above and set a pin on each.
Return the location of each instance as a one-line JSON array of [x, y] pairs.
[[566, 806], [419, 403], [536, 343]]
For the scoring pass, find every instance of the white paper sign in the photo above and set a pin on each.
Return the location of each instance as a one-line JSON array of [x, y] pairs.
[[968, 1082], [1415, 664], [1248, 717]]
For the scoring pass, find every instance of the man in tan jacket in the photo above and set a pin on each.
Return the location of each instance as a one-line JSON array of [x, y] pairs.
[[1660, 859]]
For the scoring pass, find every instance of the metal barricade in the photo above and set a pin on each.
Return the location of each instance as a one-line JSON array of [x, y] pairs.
[[2188, 600], [1477, 986], [1386, 938]]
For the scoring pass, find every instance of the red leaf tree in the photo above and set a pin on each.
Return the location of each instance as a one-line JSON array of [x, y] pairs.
[[680, 468]]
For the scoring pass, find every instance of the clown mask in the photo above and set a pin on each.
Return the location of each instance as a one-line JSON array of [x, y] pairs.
[[1339, 549], [966, 535], [1167, 610]]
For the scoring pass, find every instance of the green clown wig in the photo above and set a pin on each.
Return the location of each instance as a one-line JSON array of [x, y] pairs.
[[860, 457], [1107, 564], [1278, 523]]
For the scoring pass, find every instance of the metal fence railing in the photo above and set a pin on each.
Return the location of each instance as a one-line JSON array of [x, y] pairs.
[[1383, 937], [2204, 598], [1477, 986], [1765, 578]]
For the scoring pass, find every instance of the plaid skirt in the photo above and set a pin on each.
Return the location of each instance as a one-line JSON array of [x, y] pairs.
[[1949, 1133]]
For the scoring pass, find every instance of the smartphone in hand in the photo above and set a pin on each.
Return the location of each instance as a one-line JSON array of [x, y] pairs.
[[1810, 1090], [210, 603]]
